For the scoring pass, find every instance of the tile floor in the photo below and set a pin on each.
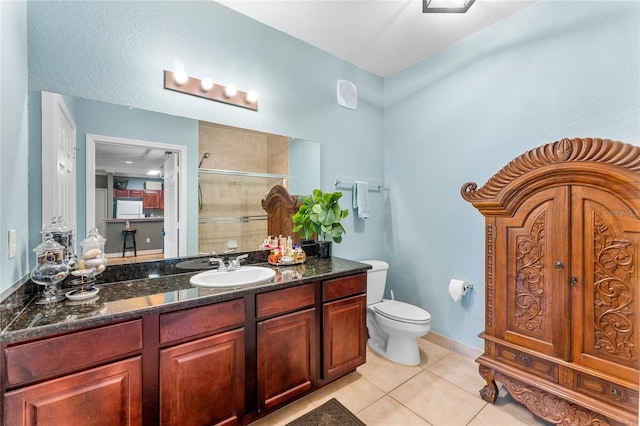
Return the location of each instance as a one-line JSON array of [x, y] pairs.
[[441, 391]]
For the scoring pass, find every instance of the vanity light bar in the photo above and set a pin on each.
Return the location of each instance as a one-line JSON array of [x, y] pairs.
[[207, 90]]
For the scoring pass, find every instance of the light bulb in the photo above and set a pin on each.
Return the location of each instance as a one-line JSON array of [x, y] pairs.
[[180, 77], [206, 84], [230, 91], [252, 96]]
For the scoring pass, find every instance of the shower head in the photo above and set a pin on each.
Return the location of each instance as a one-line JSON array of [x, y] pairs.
[[205, 155]]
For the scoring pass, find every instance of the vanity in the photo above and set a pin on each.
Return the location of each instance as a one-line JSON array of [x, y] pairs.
[[152, 349]]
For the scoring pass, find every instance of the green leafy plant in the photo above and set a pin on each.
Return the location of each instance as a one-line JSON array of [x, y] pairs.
[[302, 219], [321, 213]]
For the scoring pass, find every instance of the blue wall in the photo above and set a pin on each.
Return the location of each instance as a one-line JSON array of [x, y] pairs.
[[116, 52], [14, 188], [553, 70]]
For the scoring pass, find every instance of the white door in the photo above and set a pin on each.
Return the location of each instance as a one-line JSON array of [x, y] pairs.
[[58, 160], [171, 212], [101, 210]]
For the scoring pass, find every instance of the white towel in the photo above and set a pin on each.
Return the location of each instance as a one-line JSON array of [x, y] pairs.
[[361, 198]]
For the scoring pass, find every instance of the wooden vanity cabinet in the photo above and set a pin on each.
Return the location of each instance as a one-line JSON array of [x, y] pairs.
[[287, 344], [562, 283], [64, 380], [202, 381], [344, 329], [226, 363]]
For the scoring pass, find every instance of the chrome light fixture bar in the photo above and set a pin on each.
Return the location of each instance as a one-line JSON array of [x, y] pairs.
[[446, 6]]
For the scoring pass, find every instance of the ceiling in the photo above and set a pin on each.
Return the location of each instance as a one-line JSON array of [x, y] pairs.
[[381, 36], [114, 159]]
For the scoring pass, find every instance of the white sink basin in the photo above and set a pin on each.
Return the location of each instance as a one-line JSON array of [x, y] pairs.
[[245, 275]]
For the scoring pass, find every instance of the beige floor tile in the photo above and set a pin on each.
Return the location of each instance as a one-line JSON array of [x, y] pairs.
[[353, 391], [437, 401], [384, 374], [430, 352], [460, 371], [388, 412], [286, 414], [491, 415]]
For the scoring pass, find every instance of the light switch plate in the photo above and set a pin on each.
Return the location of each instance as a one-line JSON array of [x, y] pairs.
[[12, 243]]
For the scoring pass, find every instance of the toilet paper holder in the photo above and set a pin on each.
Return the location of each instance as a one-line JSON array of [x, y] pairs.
[[458, 289]]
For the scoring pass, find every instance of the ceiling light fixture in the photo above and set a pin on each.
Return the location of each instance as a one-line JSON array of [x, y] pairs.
[[446, 6], [153, 172]]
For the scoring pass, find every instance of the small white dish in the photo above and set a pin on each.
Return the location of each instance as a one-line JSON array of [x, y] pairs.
[[78, 294]]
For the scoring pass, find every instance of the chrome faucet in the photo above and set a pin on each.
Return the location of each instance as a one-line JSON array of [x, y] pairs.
[[219, 260], [231, 266], [235, 263]]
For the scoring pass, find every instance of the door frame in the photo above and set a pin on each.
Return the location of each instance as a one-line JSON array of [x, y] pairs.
[[180, 150]]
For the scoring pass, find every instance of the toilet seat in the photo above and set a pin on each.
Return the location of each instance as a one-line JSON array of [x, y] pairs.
[[403, 312]]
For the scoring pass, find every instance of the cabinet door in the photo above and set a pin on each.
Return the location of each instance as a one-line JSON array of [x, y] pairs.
[[202, 382], [344, 336], [151, 199], [606, 303], [286, 357], [532, 288], [108, 395], [121, 193]]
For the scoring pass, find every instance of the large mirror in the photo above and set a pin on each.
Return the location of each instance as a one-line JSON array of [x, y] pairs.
[[156, 173]]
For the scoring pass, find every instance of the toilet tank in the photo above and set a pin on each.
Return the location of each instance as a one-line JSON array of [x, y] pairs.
[[376, 280]]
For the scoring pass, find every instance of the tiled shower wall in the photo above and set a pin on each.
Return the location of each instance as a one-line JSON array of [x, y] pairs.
[[231, 208]]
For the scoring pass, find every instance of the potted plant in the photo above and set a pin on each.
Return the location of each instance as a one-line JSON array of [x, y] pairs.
[[304, 226], [321, 213]]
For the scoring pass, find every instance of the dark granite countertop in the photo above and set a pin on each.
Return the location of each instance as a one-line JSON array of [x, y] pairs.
[[128, 291]]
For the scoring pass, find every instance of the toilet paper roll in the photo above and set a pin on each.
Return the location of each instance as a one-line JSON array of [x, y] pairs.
[[457, 289]]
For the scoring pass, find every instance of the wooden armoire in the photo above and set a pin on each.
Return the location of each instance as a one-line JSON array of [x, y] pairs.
[[562, 289], [280, 208]]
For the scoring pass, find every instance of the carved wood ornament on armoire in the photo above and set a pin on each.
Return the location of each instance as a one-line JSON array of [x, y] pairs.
[[280, 208], [562, 291]]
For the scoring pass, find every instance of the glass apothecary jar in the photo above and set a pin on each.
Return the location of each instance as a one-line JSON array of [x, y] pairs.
[[93, 260], [61, 234], [51, 268]]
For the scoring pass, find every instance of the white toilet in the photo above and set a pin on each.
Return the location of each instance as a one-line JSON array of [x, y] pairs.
[[393, 326]]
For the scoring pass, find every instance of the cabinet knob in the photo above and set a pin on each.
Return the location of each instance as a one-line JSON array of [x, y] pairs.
[[559, 265], [616, 392], [574, 280]]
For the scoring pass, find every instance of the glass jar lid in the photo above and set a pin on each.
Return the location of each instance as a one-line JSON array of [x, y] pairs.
[[49, 244], [93, 238]]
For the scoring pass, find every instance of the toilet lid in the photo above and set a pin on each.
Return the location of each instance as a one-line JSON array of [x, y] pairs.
[[403, 312]]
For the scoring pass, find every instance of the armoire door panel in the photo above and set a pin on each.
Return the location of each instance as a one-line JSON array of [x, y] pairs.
[[607, 241], [536, 238]]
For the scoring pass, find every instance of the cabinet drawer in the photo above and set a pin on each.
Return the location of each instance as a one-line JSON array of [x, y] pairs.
[[181, 325], [532, 364], [71, 352], [607, 391], [343, 287], [287, 300]]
